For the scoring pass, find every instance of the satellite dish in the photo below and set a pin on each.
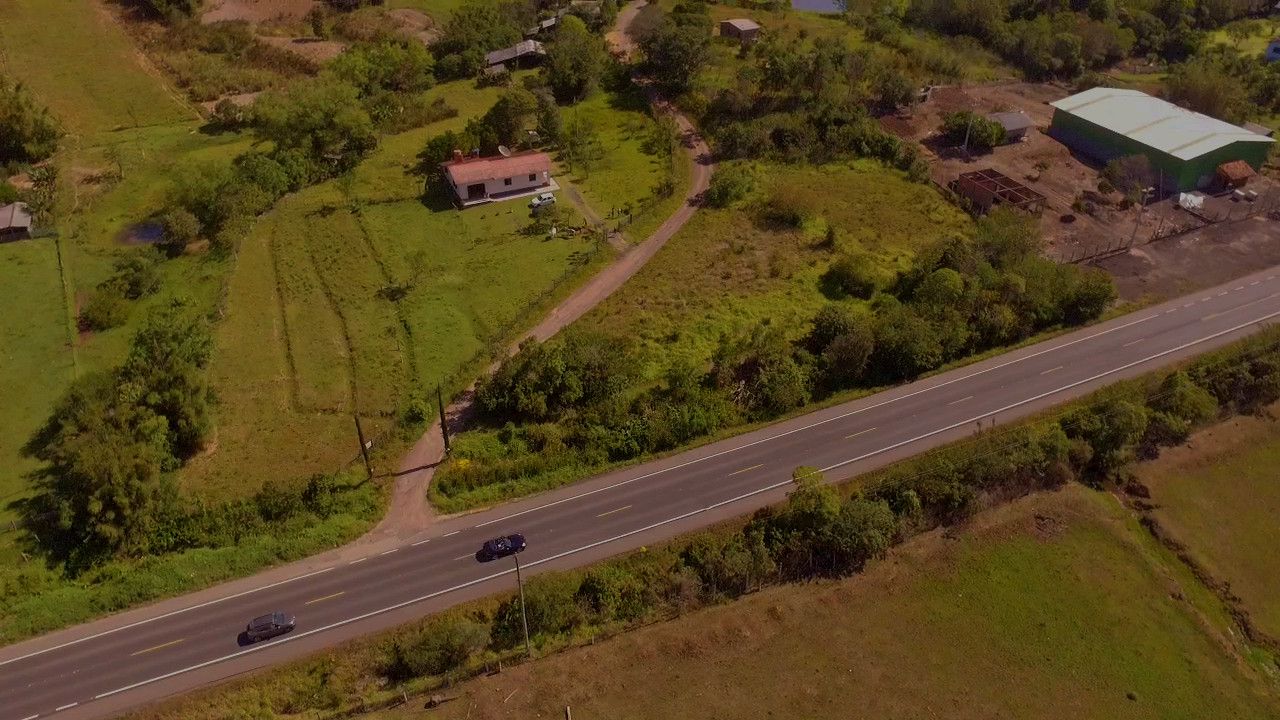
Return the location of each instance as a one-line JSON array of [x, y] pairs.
[[504, 151]]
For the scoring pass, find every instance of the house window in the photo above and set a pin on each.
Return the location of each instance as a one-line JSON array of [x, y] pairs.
[[533, 177], [506, 181]]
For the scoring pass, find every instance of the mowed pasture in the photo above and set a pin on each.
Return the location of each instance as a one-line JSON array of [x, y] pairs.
[[35, 361], [79, 62], [339, 308], [729, 269], [1057, 605], [1219, 495]]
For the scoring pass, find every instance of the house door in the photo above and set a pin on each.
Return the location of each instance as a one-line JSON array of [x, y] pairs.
[[475, 191]]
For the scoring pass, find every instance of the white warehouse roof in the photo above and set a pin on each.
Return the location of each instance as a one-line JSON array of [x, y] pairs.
[[1154, 122]]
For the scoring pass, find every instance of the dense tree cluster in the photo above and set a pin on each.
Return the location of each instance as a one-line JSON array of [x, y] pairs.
[[577, 399], [475, 28], [811, 101], [28, 133]]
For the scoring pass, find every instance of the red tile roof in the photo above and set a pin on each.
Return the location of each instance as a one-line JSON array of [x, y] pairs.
[[476, 170], [1236, 171]]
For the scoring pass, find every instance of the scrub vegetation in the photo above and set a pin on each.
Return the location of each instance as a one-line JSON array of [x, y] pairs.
[[1060, 585]]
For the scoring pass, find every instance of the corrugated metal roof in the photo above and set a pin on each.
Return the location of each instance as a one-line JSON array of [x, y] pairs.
[[1154, 122], [14, 215], [743, 24], [520, 49], [1011, 121], [477, 170]]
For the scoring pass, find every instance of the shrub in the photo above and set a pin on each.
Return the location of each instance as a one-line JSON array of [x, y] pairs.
[[853, 276], [107, 308], [181, 228], [975, 131], [28, 133], [442, 645], [136, 275], [730, 183]]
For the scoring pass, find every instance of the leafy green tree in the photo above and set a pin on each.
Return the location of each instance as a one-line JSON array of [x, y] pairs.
[[1006, 236], [853, 276], [675, 53], [474, 28], [575, 60], [181, 228], [103, 475], [732, 182], [1092, 293], [28, 133], [165, 373], [323, 118], [1112, 431], [906, 345], [173, 10], [864, 530], [973, 130], [580, 144], [135, 275], [401, 67], [760, 373], [550, 606], [107, 308], [550, 124], [1208, 88], [1131, 175], [511, 116]]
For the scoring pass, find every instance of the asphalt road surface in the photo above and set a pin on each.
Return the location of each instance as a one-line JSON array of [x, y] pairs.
[[101, 668]]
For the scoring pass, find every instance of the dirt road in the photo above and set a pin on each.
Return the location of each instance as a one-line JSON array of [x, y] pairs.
[[409, 511]]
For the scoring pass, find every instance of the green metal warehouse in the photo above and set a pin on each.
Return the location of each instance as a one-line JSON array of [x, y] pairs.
[[1185, 148]]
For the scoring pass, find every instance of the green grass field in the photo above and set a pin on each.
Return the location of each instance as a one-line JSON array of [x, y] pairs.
[[1055, 606], [1220, 496], [35, 363], [79, 62], [1261, 33], [726, 271]]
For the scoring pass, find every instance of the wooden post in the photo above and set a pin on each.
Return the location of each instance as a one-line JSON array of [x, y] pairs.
[[568, 713], [444, 423], [364, 446]]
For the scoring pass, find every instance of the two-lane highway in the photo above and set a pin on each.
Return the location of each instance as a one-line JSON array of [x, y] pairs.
[[103, 667]]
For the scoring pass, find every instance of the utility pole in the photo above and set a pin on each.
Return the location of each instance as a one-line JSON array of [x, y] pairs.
[[444, 423], [364, 446], [524, 616]]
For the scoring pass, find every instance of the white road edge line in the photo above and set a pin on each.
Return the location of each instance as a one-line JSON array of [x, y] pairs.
[[822, 422], [161, 617], [353, 562], [31, 717], [65, 707], [438, 593], [691, 513], [455, 532], [388, 552], [421, 542]]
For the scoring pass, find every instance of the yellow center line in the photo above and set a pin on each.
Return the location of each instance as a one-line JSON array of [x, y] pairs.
[[326, 597], [624, 507], [739, 472], [158, 647], [860, 432]]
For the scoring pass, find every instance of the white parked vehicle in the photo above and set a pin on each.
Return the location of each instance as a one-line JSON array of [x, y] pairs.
[[542, 200]]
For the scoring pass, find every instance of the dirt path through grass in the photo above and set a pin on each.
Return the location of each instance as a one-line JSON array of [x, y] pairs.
[[409, 512]]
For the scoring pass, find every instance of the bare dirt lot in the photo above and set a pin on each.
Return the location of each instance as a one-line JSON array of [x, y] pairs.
[[310, 48], [1172, 251]]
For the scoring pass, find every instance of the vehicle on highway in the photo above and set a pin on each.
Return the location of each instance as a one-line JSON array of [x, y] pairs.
[[501, 547], [269, 626], [542, 200]]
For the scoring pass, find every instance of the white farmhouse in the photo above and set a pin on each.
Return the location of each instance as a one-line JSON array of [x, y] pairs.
[[476, 180]]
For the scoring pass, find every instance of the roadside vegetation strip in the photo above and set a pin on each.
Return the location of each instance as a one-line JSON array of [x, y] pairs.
[[820, 532]]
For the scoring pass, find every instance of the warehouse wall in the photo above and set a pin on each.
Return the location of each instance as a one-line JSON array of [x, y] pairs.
[[1103, 145]]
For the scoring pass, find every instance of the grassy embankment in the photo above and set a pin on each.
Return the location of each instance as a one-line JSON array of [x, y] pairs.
[[1220, 496], [728, 270], [1057, 605]]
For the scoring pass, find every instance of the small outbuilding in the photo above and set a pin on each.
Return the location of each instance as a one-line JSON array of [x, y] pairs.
[[478, 180], [522, 54], [15, 222], [542, 27], [984, 189], [1015, 124], [1235, 174], [742, 29]]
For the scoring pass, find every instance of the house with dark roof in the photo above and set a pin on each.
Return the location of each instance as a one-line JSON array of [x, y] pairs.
[[478, 180], [523, 53], [743, 29], [15, 222]]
